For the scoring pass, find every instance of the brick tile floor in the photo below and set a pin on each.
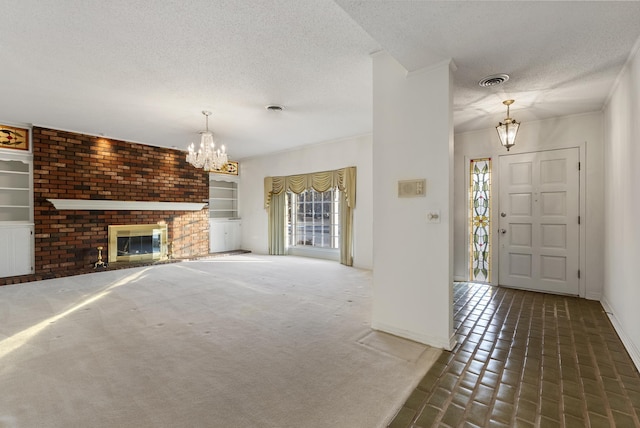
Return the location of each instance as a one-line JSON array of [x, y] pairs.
[[526, 359]]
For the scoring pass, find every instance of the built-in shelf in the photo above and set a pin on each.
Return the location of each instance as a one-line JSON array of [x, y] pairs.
[[106, 205], [15, 188], [16, 214], [224, 223], [223, 199]]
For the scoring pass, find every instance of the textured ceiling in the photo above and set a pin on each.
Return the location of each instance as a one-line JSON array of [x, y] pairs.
[[143, 70], [562, 57]]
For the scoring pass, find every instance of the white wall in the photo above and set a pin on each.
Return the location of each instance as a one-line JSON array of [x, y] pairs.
[[584, 131], [326, 156], [622, 206], [413, 259]]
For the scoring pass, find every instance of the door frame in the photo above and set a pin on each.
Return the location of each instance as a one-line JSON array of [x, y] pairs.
[[495, 156]]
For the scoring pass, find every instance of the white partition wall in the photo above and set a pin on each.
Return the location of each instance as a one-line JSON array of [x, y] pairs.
[[622, 205], [412, 257]]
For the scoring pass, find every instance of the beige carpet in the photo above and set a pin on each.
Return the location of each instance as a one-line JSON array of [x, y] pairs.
[[238, 341]]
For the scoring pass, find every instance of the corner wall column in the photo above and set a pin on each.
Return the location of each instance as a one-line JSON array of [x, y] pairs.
[[412, 256]]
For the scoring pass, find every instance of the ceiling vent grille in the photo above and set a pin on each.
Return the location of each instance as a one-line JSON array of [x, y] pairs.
[[493, 80], [274, 107]]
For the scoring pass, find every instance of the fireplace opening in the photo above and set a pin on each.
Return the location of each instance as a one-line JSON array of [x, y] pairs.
[[148, 244], [131, 243]]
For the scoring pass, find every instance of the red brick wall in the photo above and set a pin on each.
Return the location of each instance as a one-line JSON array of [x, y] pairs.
[[68, 165]]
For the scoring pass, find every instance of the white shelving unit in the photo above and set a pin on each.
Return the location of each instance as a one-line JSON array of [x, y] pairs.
[[224, 223], [223, 199], [16, 214], [15, 191]]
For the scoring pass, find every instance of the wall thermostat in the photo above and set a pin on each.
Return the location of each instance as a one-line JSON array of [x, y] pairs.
[[412, 188]]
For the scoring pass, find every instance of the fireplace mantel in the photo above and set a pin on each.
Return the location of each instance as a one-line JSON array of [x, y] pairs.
[[107, 205]]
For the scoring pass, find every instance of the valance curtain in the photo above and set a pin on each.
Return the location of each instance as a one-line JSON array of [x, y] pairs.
[[275, 189]]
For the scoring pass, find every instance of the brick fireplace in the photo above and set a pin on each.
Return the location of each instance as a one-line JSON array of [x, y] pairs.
[[74, 166]]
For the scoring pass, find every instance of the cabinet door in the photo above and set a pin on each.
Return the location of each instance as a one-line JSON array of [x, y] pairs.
[[217, 236], [224, 236], [235, 235], [16, 250]]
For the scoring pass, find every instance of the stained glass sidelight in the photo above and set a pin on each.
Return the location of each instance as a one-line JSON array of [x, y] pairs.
[[480, 223]]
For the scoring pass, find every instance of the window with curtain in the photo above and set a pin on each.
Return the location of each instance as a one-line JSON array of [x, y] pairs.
[[313, 219], [294, 209]]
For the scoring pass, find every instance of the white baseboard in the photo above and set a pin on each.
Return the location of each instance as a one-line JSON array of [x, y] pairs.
[[593, 296], [443, 343], [632, 349], [452, 342]]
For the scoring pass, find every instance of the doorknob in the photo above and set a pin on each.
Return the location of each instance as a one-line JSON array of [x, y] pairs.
[[503, 214], [503, 231]]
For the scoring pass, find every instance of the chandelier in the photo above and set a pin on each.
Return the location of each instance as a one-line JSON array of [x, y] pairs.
[[207, 157], [508, 129]]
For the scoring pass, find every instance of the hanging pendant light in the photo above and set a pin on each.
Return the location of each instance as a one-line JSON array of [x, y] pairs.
[[207, 157], [508, 129]]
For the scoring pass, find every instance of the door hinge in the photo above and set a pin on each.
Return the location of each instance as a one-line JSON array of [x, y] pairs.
[[579, 166], [579, 220], [578, 273]]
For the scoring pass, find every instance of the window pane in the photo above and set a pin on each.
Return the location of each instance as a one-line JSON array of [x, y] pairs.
[[314, 221], [479, 220]]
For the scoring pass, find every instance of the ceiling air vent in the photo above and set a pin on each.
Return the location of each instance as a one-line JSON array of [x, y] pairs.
[[274, 107], [493, 80]]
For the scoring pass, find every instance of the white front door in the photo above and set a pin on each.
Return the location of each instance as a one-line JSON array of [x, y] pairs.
[[539, 224]]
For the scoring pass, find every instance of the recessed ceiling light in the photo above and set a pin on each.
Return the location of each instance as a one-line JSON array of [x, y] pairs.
[[493, 80], [274, 107]]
